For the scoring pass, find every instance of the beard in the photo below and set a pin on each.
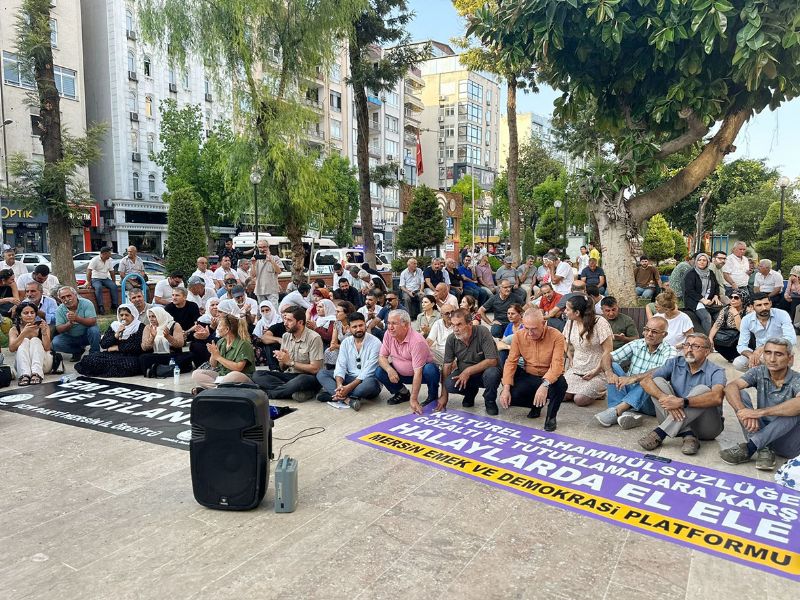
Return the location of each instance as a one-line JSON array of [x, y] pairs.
[[359, 334]]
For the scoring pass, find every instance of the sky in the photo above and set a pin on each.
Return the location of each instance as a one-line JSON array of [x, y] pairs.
[[770, 135]]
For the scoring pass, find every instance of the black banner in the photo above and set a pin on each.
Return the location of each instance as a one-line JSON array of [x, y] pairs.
[[155, 415]]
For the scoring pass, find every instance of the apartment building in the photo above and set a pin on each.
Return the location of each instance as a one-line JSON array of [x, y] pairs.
[[126, 81], [530, 125], [23, 228]]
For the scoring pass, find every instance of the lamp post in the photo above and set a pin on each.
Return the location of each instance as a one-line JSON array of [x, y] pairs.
[[557, 204], [255, 179], [783, 182]]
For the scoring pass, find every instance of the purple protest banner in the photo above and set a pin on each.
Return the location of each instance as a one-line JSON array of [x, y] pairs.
[[739, 518]]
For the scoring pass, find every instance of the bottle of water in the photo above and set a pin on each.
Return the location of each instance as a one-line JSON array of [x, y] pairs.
[[176, 372], [67, 377]]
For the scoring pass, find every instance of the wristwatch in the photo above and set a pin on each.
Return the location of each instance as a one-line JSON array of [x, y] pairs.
[[291, 365], [685, 403], [545, 383]]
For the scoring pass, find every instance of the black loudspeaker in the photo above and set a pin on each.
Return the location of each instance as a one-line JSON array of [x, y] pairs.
[[230, 447]]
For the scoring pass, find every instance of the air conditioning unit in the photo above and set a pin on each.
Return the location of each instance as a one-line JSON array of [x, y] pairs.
[[130, 34], [136, 157], [402, 172], [173, 87], [488, 102], [441, 161], [441, 119], [138, 195], [389, 157], [134, 117], [486, 163], [442, 98], [209, 97], [441, 139], [110, 222], [488, 143], [132, 76]]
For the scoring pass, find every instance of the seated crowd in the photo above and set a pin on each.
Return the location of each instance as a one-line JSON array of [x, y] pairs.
[[527, 337]]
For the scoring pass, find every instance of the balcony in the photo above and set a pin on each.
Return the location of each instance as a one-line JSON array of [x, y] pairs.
[[313, 103], [374, 100], [414, 78], [375, 151], [410, 100], [412, 120], [374, 127], [316, 135]]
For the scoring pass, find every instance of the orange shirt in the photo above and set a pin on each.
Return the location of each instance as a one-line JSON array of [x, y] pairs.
[[548, 305], [544, 357]]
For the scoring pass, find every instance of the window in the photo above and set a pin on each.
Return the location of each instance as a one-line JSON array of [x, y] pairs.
[[451, 152], [336, 129], [131, 61], [151, 183], [392, 124], [147, 67], [134, 141], [392, 99], [12, 74], [135, 182], [207, 85], [129, 20], [171, 76], [488, 117], [450, 131], [336, 73], [54, 33], [151, 143], [391, 197], [186, 80], [392, 149], [470, 154], [469, 133], [472, 111], [488, 135], [470, 90], [148, 106], [133, 102], [65, 82], [450, 110], [336, 101]]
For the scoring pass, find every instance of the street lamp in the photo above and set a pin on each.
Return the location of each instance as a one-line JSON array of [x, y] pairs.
[[783, 182], [557, 204], [255, 179]]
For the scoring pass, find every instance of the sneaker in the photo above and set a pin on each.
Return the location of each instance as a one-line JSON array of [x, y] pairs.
[[402, 396], [491, 409], [765, 460], [690, 446], [629, 420], [651, 441], [735, 455], [468, 403], [607, 417], [324, 396], [355, 404], [303, 396], [535, 412], [427, 401], [76, 357]]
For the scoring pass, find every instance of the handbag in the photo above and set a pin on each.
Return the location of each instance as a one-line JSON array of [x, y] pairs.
[[726, 337]]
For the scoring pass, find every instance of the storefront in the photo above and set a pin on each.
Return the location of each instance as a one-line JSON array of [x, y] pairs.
[[140, 224], [23, 228]]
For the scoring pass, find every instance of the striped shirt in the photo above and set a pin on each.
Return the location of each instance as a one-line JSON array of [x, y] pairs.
[[641, 359]]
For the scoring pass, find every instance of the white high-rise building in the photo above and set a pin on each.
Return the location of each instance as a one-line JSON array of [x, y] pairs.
[[126, 82]]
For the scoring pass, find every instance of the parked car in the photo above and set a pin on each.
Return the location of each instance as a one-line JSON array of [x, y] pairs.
[[30, 260], [155, 272], [82, 258], [146, 256]]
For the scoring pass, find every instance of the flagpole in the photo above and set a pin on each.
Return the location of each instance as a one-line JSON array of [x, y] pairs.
[[472, 168]]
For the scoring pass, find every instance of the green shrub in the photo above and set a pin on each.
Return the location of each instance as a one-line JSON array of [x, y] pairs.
[[666, 269], [399, 264], [495, 263], [185, 236]]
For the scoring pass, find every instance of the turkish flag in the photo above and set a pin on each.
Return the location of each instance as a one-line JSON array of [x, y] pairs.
[[420, 169]]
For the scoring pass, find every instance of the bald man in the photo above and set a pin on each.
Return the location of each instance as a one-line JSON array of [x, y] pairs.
[[131, 264]]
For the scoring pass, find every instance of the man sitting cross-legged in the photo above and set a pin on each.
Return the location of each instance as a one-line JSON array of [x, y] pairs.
[[470, 363], [687, 394], [541, 381], [353, 379], [626, 398], [773, 427], [411, 362]]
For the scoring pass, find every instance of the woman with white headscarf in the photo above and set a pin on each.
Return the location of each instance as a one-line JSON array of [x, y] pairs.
[[122, 345], [324, 320], [162, 341], [701, 292], [266, 336]]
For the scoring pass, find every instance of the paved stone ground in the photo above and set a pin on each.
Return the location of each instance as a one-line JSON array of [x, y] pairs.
[[87, 515]]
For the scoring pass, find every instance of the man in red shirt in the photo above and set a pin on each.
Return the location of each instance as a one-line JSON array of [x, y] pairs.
[[548, 302]]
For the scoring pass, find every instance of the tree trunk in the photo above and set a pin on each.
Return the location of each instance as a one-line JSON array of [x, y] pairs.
[[616, 244], [207, 227], [701, 213], [513, 167], [362, 158], [55, 190], [295, 234]]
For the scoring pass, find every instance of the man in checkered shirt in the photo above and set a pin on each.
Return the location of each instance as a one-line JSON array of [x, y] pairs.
[[626, 398]]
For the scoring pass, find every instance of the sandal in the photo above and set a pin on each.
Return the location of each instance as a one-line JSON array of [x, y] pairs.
[[23, 380], [196, 390], [36, 379]]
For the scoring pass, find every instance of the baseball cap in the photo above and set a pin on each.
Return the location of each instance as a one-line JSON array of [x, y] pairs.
[[237, 291], [195, 279], [508, 259]]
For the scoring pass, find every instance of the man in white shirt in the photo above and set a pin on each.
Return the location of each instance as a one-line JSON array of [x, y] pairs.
[[444, 297], [243, 270], [737, 268], [240, 305], [131, 264], [767, 281], [561, 275], [206, 273], [100, 274], [199, 292], [338, 273], [12, 263], [42, 275], [296, 298], [411, 282], [223, 270], [440, 331], [163, 293]]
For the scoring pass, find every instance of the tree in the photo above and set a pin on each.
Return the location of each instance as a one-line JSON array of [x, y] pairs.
[[339, 198], [658, 241], [380, 23], [661, 74], [184, 231], [529, 243], [548, 232], [767, 244], [465, 186], [518, 72], [270, 51], [743, 214], [51, 185], [423, 226], [679, 253]]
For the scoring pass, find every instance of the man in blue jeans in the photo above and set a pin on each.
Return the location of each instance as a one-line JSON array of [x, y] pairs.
[[627, 401], [100, 274], [76, 325], [353, 379], [411, 362]]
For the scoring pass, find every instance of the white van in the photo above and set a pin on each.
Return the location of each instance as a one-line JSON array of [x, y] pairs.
[[325, 258], [280, 246]]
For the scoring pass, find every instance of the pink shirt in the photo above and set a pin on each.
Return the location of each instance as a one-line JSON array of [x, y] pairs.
[[412, 353]]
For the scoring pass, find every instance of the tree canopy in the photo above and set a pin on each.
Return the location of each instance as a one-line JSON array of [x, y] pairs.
[[339, 197], [423, 226], [658, 242]]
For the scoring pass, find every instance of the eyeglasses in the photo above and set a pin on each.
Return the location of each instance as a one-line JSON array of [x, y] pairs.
[[656, 331], [447, 314], [736, 297], [695, 347]]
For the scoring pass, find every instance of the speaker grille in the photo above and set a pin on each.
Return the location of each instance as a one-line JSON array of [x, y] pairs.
[[198, 432], [254, 434]]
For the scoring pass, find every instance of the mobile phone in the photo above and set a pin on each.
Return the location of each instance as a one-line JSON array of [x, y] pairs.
[[662, 459]]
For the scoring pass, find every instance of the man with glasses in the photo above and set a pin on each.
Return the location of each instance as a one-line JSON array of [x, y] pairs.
[[266, 268], [470, 363], [353, 379], [498, 305], [228, 284], [687, 395], [162, 294], [774, 425], [206, 273], [627, 401], [199, 292], [411, 282]]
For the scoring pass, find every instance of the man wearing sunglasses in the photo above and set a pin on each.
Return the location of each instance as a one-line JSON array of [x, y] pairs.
[[687, 393]]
